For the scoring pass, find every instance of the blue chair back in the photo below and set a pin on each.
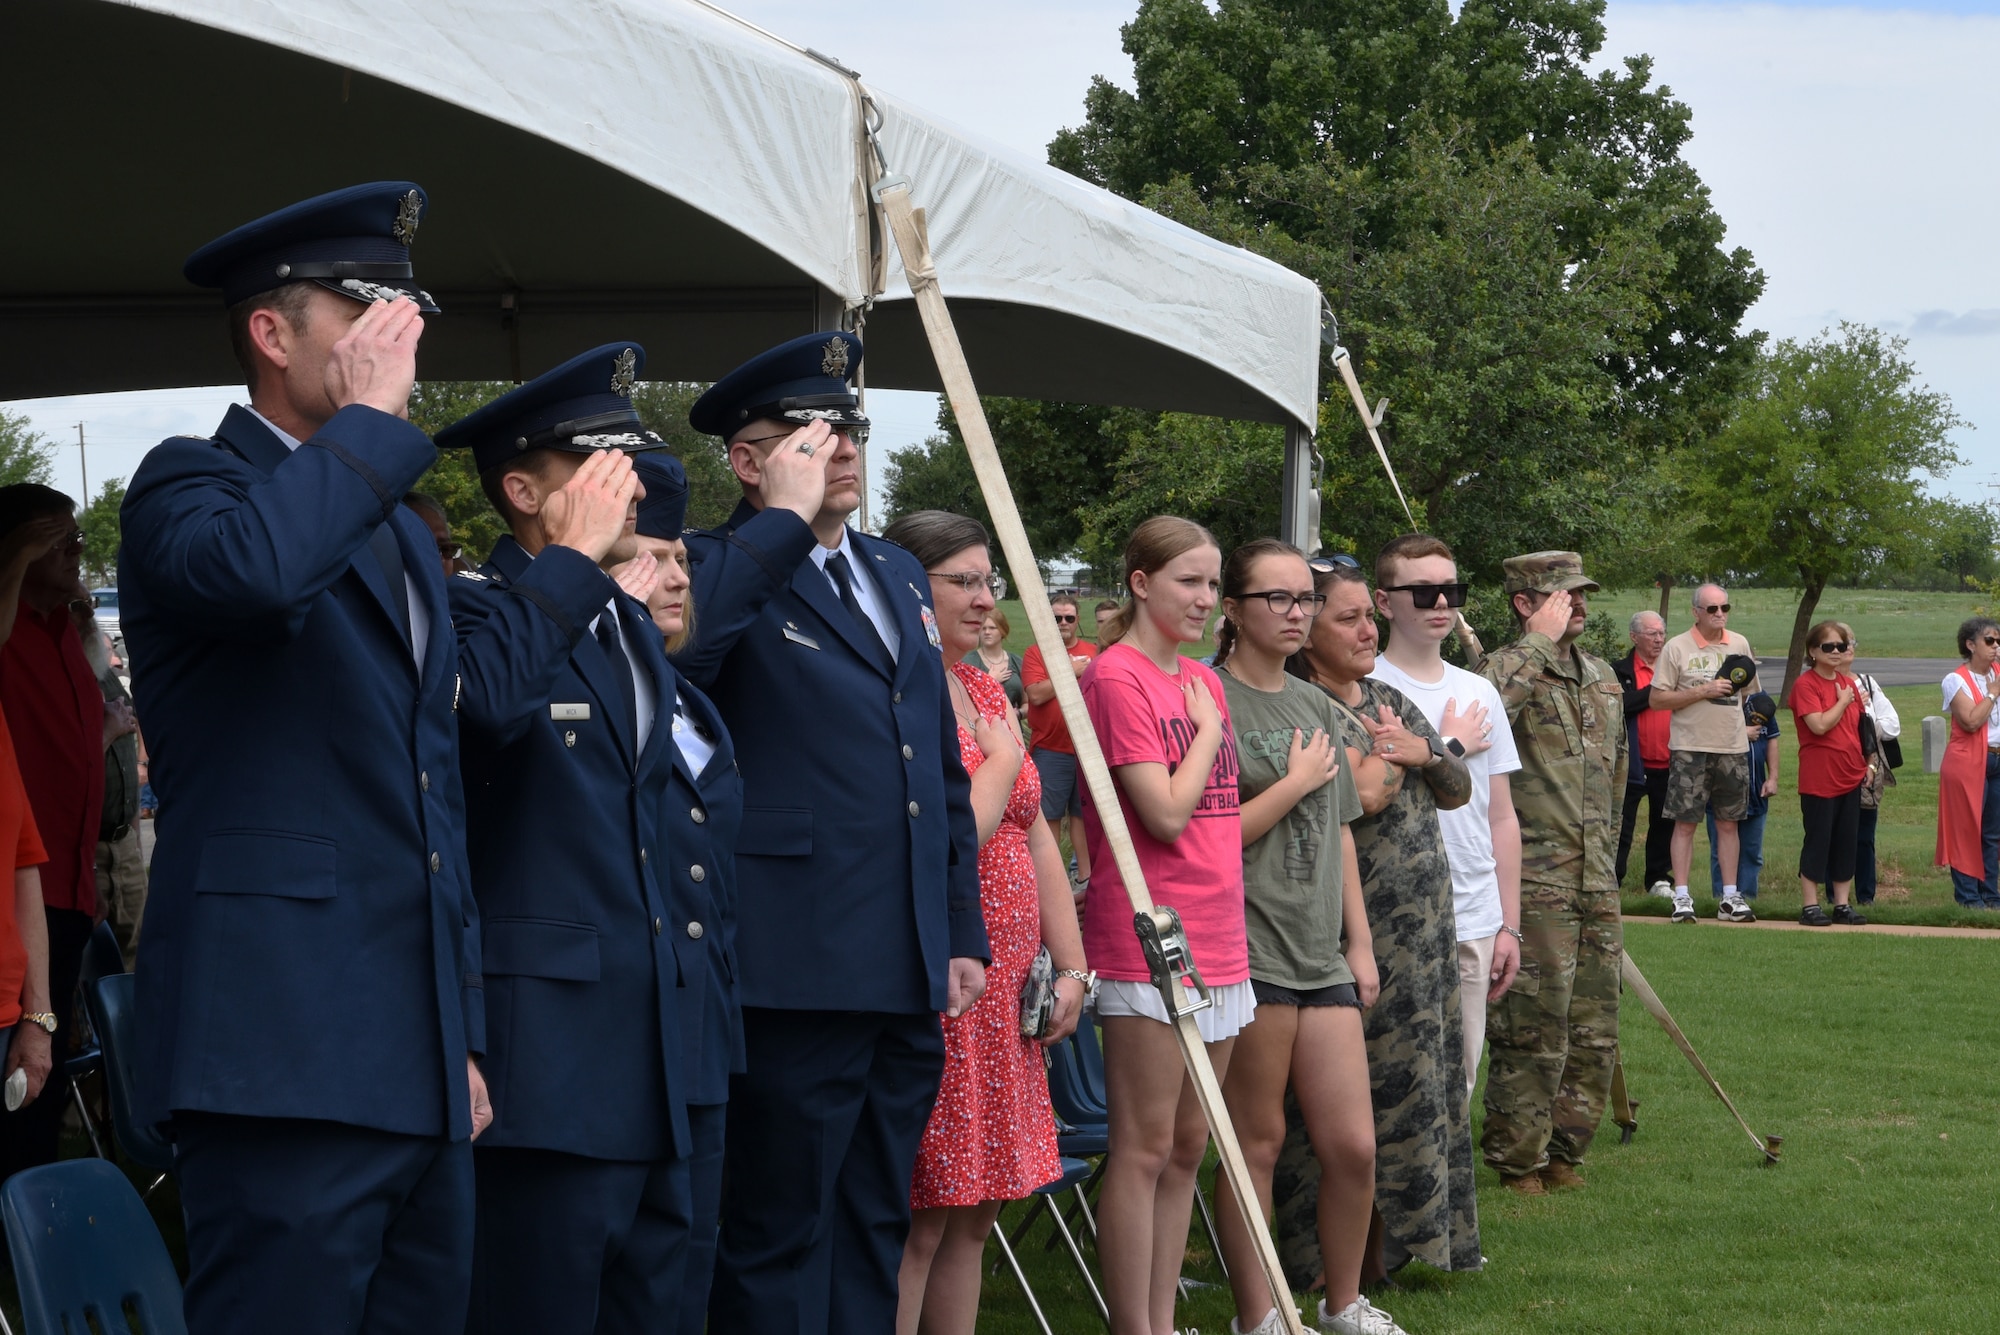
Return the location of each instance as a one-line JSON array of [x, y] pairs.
[[1069, 1092], [1090, 1059], [101, 956], [110, 1002], [85, 1251]]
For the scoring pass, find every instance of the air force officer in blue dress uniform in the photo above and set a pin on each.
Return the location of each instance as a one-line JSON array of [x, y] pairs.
[[583, 1189], [311, 997], [857, 863], [700, 817]]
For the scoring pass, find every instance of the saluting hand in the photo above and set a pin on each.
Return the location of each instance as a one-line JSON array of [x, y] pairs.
[[793, 475], [1552, 617], [590, 511], [638, 576], [375, 361]]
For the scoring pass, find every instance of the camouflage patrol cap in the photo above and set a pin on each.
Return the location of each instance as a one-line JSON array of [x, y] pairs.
[[1545, 572]]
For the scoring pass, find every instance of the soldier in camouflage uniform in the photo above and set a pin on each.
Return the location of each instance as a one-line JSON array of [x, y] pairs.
[[1554, 1035]]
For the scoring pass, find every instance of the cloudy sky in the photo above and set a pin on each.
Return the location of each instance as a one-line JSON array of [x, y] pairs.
[[1850, 148]]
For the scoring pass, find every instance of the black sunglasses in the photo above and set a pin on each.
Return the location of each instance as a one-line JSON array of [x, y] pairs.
[[1064, 620], [1427, 595], [1713, 608], [1842, 646]]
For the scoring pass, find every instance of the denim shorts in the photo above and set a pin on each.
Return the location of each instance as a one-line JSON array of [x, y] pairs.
[[1062, 790], [1340, 994]]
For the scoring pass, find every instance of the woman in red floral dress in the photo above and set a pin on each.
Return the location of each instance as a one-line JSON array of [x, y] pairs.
[[992, 1136]]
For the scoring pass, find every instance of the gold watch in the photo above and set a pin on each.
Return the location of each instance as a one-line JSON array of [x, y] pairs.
[[44, 1019]]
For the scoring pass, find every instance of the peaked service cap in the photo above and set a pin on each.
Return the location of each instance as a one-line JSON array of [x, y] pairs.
[[582, 406], [355, 242], [806, 380]]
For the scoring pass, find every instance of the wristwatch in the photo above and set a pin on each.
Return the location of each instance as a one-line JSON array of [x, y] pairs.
[[44, 1019], [1089, 980], [1456, 747], [1437, 752]]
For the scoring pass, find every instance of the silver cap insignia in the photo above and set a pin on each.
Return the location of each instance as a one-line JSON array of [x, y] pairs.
[[624, 372], [833, 358], [408, 214]]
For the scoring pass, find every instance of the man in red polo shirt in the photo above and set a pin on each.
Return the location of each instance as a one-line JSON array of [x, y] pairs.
[[56, 714], [1049, 745], [1648, 728]]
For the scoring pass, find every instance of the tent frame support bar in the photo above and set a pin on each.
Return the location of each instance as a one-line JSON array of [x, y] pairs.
[[1298, 518], [906, 223]]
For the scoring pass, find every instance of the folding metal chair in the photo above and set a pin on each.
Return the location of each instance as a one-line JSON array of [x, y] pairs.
[[86, 1254], [101, 957], [110, 1003], [1074, 1172]]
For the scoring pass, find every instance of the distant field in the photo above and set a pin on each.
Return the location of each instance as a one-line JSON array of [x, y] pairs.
[[1886, 624]]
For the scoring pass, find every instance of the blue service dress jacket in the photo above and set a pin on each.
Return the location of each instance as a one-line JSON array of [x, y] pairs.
[[583, 975], [700, 817], [857, 864], [312, 945]]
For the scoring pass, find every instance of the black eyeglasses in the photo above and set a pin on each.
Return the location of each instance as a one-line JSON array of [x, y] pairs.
[[1064, 620], [1282, 602], [1713, 608], [1842, 646], [1427, 595], [1331, 562], [993, 581], [450, 551]]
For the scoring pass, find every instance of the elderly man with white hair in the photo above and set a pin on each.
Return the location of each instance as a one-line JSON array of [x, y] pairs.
[[1701, 680], [1646, 741]]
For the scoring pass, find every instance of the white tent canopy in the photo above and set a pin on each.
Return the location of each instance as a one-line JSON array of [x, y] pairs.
[[650, 169]]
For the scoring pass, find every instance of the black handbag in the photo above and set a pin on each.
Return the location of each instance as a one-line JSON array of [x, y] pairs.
[[1892, 752], [1870, 743]]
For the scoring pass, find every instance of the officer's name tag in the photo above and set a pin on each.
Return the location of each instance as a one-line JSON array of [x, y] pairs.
[[796, 638], [565, 713]]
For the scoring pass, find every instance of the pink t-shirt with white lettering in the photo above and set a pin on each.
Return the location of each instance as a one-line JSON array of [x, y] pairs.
[[1140, 716]]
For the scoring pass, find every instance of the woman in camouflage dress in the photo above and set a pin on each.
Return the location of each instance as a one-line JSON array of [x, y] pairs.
[[1424, 1191]]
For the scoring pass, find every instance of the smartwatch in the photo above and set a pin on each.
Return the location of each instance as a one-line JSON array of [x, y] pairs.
[[1437, 752], [1456, 747]]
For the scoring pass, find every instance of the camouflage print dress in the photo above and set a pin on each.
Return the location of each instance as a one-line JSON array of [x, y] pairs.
[[1416, 1055]]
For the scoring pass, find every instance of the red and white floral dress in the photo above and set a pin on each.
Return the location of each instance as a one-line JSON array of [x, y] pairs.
[[992, 1136]]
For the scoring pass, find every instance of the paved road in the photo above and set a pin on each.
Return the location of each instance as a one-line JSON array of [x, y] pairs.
[[1888, 671]]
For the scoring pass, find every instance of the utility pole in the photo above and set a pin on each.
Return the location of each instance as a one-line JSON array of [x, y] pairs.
[[83, 462]]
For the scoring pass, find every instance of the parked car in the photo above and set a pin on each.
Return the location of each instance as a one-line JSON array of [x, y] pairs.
[[106, 603]]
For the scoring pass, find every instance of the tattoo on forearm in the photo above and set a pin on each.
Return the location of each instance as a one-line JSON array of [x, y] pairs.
[[1450, 781]]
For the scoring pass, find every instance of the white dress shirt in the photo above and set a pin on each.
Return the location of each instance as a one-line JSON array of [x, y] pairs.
[[866, 591]]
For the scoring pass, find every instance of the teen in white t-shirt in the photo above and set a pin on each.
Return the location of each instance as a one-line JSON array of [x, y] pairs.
[[1418, 594]]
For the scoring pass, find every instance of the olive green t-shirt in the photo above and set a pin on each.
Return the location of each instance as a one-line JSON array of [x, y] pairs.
[[1292, 876]]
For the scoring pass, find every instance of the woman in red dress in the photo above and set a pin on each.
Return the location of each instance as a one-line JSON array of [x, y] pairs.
[[992, 1135]]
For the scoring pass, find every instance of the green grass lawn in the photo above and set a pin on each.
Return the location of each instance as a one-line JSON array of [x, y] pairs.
[[1868, 1054]]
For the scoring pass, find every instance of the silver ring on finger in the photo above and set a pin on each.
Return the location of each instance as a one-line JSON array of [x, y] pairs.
[[805, 449]]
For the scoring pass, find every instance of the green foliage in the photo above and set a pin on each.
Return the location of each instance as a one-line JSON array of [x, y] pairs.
[[1224, 474], [436, 404], [1963, 539], [99, 522], [1819, 473], [1520, 260], [25, 454]]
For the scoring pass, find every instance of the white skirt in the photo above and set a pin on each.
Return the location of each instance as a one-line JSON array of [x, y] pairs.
[[1233, 1008]]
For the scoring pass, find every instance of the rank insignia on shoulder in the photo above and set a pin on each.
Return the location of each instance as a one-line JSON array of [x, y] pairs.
[[930, 628], [474, 575]]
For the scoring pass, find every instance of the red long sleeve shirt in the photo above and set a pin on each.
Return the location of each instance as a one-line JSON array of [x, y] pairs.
[[56, 714]]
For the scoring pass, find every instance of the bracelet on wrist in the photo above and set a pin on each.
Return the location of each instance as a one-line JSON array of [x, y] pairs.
[[1514, 932]]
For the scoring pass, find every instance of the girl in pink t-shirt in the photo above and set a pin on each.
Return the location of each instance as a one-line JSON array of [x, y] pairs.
[[1164, 729]]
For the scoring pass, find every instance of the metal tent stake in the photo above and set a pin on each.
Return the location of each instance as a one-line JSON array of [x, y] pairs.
[[1165, 941]]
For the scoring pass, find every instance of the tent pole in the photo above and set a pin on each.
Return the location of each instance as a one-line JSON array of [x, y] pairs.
[[1158, 928], [1298, 522]]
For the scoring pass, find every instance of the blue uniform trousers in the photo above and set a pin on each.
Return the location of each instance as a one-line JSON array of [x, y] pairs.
[[569, 1245], [307, 1227], [823, 1135], [706, 1124]]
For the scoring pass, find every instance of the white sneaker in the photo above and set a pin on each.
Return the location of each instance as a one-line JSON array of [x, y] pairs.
[[1684, 908], [1661, 890], [1270, 1325], [1734, 909], [1359, 1318]]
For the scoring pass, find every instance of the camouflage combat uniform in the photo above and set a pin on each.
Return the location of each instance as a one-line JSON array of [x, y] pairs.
[[1554, 1035], [1416, 1056]]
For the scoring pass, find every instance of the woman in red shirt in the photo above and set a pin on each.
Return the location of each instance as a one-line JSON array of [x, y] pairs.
[[1831, 772]]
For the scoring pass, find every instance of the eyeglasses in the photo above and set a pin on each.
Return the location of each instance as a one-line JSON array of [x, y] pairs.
[[74, 542], [1427, 595], [993, 581], [857, 434], [1064, 619], [1991, 642], [1842, 646], [1331, 562], [1282, 602], [450, 551], [1713, 608]]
